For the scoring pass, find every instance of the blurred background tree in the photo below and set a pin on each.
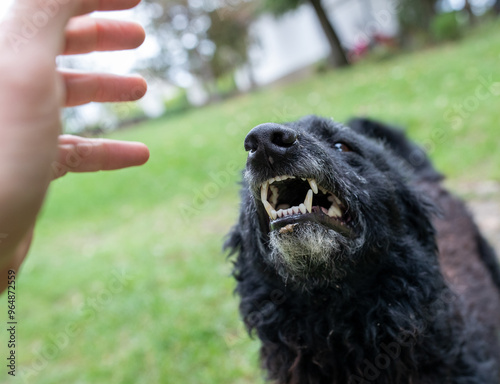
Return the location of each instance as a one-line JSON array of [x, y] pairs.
[[198, 41], [415, 19], [338, 57], [203, 51]]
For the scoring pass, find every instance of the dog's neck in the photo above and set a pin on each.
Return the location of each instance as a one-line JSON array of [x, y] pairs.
[[391, 306]]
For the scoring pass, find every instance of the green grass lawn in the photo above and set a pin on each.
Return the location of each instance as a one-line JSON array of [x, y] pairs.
[[126, 281]]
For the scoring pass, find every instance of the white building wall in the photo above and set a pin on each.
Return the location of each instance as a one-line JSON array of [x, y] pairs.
[[296, 40]]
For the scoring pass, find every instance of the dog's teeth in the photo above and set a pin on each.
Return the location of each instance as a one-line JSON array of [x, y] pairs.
[[268, 207], [287, 228], [263, 191], [332, 198], [271, 180], [334, 211], [295, 210], [290, 211], [274, 195], [309, 200], [322, 189], [337, 200], [303, 178], [274, 214], [302, 208], [280, 213], [313, 185]]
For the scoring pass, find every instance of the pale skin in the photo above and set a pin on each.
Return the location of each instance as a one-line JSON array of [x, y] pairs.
[[32, 92]]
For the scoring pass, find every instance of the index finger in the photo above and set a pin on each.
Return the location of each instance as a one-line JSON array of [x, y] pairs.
[[42, 22], [88, 6]]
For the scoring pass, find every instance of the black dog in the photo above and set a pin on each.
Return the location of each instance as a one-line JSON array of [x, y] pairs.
[[354, 265]]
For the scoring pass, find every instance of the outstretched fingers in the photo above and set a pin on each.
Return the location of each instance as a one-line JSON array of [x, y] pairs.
[[86, 34], [88, 6], [83, 88], [78, 154], [41, 23]]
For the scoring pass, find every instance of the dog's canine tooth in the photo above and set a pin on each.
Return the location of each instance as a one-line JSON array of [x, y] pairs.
[[334, 211], [309, 200], [268, 207], [302, 208], [263, 191], [274, 214], [313, 185]]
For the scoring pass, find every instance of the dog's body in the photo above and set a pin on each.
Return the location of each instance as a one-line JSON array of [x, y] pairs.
[[362, 282]]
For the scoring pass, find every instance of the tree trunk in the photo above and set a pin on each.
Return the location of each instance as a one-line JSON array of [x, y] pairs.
[[496, 7], [338, 57], [429, 11], [470, 14]]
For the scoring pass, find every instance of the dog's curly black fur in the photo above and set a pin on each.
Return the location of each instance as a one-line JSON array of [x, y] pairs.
[[409, 291]]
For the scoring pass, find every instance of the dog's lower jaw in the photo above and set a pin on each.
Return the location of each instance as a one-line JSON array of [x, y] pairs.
[[310, 252]]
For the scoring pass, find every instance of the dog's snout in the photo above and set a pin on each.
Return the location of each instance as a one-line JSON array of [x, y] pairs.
[[268, 140]]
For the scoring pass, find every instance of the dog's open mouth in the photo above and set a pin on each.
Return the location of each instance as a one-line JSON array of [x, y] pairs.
[[290, 200]]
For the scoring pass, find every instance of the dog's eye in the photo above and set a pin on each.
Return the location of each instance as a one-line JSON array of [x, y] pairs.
[[341, 147]]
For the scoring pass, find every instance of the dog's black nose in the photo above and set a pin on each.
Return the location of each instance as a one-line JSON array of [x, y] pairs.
[[268, 140]]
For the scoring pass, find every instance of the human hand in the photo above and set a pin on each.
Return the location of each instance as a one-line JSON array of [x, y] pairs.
[[32, 92]]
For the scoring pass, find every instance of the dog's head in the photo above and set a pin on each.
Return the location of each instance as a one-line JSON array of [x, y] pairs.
[[323, 202]]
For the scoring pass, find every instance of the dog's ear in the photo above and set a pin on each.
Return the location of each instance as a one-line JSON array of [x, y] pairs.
[[396, 140], [418, 210]]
